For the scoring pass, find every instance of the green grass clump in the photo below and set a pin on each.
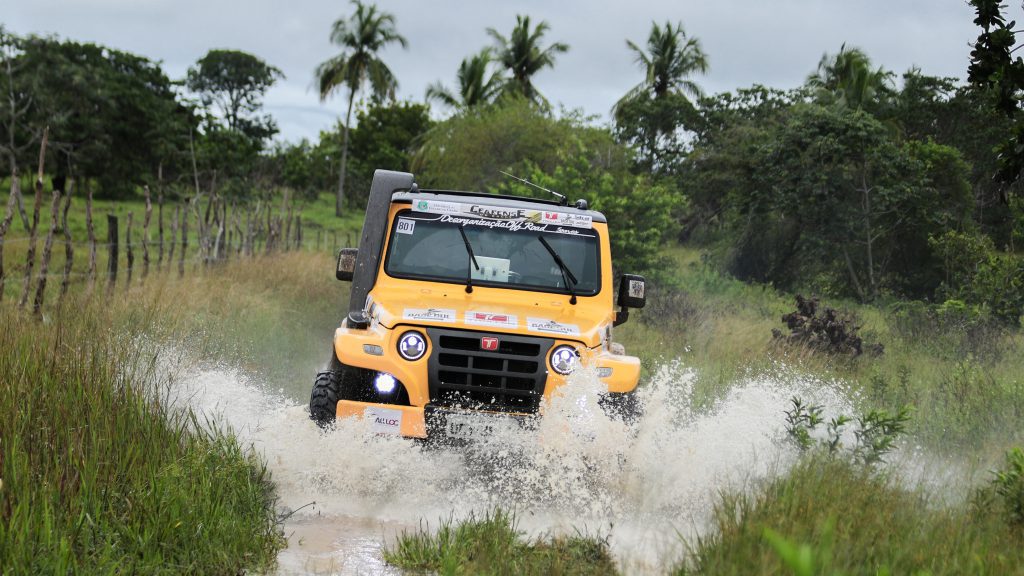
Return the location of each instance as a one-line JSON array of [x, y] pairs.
[[831, 516], [98, 476], [494, 545]]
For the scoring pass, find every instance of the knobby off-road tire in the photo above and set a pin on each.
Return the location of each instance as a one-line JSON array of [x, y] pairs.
[[623, 406], [323, 402]]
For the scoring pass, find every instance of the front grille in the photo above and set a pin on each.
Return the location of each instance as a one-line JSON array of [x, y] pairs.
[[509, 379]]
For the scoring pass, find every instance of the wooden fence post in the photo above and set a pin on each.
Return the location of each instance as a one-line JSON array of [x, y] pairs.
[[174, 235], [91, 230], [5, 224], [112, 237], [30, 258], [184, 242], [160, 213], [145, 234], [69, 250], [128, 250], [44, 264]]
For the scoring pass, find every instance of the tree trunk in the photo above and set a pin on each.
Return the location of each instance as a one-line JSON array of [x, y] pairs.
[[866, 204], [853, 274], [339, 205], [69, 250], [30, 259], [44, 264]]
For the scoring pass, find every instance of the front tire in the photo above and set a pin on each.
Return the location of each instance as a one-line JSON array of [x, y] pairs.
[[323, 401], [624, 406]]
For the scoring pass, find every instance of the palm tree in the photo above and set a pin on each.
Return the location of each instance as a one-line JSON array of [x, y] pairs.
[[475, 86], [361, 37], [652, 111], [848, 80], [522, 54], [671, 58]]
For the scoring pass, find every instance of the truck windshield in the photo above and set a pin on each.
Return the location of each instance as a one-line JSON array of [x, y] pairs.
[[509, 254]]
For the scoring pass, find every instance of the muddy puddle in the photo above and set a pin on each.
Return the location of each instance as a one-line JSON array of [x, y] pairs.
[[347, 493]]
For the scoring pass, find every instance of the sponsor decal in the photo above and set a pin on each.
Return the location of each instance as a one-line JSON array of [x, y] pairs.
[[492, 319], [438, 207], [510, 225], [429, 314], [552, 327], [383, 420], [636, 289], [502, 213], [405, 226], [488, 343]]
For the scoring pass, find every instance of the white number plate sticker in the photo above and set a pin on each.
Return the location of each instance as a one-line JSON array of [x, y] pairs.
[[406, 226], [468, 427]]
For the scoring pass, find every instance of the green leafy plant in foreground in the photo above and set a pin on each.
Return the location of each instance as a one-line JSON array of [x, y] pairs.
[[1009, 485], [875, 434]]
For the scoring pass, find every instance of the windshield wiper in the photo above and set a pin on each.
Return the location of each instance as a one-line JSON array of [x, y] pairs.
[[472, 258], [567, 276]]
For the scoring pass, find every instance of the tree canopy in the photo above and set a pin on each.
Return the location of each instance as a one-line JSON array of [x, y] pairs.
[[523, 55], [235, 82]]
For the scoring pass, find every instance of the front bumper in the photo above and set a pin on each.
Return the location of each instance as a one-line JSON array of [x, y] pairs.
[[415, 421]]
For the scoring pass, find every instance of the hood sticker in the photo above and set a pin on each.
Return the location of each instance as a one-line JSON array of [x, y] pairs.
[[505, 213], [545, 325], [492, 319], [429, 314]]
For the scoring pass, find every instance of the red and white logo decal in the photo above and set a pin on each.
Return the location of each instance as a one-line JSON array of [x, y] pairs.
[[492, 319], [489, 344]]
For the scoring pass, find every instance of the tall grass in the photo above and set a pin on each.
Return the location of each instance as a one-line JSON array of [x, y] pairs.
[[97, 475], [830, 516], [493, 545]]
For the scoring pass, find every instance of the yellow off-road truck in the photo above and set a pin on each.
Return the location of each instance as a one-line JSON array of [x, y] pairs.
[[467, 306]]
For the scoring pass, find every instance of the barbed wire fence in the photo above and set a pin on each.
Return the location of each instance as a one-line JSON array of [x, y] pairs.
[[223, 230]]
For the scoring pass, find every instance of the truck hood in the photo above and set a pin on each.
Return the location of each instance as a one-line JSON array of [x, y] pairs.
[[492, 310]]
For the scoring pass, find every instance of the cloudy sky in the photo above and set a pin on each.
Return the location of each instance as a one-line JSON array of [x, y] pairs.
[[771, 42]]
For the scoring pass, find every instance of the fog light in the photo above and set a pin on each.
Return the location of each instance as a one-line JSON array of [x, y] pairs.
[[604, 372], [564, 359], [384, 383], [373, 349], [412, 346]]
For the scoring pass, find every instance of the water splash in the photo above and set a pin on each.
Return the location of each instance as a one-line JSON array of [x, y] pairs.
[[645, 487]]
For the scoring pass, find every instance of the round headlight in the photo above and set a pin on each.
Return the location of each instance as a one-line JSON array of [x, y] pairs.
[[564, 359], [412, 346]]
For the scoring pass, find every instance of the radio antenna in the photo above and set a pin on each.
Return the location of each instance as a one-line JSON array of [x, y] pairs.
[[561, 197]]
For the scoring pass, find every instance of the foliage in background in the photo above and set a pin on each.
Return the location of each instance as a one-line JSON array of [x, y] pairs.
[[113, 117], [523, 55], [477, 82], [361, 37], [469, 150], [623, 198], [652, 116], [235, 82]]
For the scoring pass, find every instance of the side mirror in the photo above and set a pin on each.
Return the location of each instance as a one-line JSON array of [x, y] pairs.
[[632, 291], [346, 263]]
